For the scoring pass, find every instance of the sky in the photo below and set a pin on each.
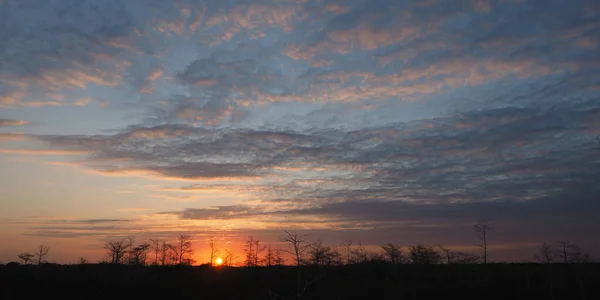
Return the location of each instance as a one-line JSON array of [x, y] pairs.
[[381, 121]]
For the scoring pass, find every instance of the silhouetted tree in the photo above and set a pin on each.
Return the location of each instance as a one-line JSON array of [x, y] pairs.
[[546, 254], [40, 253], [213, 250], [447, 253], [138, 254], [578, 255], [424, 255], [116, 250], [26, 257], [166, 253], [348, 248], [298, 244], [320, 254], [482, 228], [250, 253], [571, 253], [155, 244], [278, 257], [393, 253], [82, 261], [269, 257], [183, 250], [228, 259], [258, 249], [359, 254]]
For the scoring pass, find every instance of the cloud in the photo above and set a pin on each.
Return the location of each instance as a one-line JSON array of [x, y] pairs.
[[43, 151], [133, 209], [9, 122], [83, 101], [394, 162], [12, 136]]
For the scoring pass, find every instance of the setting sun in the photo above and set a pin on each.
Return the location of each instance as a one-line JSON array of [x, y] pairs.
[[219, 261]]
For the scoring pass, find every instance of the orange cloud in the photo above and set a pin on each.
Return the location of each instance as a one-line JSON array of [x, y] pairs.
[[62, 163], [11, 98], [157, 133], [206, 117], [12, 136], [178, 198], [41, 103], [369, 38], [336, 8], [297, 52], [206, 82], [171, 27], [471, 71], [148, 86], [4, 122], [83, 101], [43, 151], [256, 15], [200, 15], [17, 92], [133, 209]]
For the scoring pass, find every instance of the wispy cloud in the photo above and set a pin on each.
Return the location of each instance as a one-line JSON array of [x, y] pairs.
[[42, 151], [12, 136], [9, 122]]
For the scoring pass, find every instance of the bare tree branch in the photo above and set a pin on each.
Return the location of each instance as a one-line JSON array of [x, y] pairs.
[[482, 228], [41, 253], [298, 244]]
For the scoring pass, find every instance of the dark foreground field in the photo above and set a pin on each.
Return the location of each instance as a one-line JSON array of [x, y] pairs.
[[374, 281]]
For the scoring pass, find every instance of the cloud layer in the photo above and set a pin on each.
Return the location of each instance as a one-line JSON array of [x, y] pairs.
[[353, 114]]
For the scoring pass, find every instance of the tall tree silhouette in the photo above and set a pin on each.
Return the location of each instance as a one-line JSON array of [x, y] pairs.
[[183, 249], [250, 253], [41, 252], [156, 248], [229, 256], [116, 250], [393, 253], [482, 228], [348, 247], [258, 249], [138, 254], [545, 255], [571, 253], [298, 244], [213, 249]]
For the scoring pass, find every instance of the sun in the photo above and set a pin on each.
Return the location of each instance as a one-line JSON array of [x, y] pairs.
[[219, 261]]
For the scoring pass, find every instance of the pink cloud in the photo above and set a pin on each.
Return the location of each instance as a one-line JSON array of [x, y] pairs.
[[7, 122], [41, 103], [83, 102], [366, 37], [42, 151], [12, 137]]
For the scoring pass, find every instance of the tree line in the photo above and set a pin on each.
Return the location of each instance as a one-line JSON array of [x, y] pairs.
[[155, 252], [301, 252]]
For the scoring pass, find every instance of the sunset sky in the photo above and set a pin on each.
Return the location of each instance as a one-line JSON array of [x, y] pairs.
[[381, 121]]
